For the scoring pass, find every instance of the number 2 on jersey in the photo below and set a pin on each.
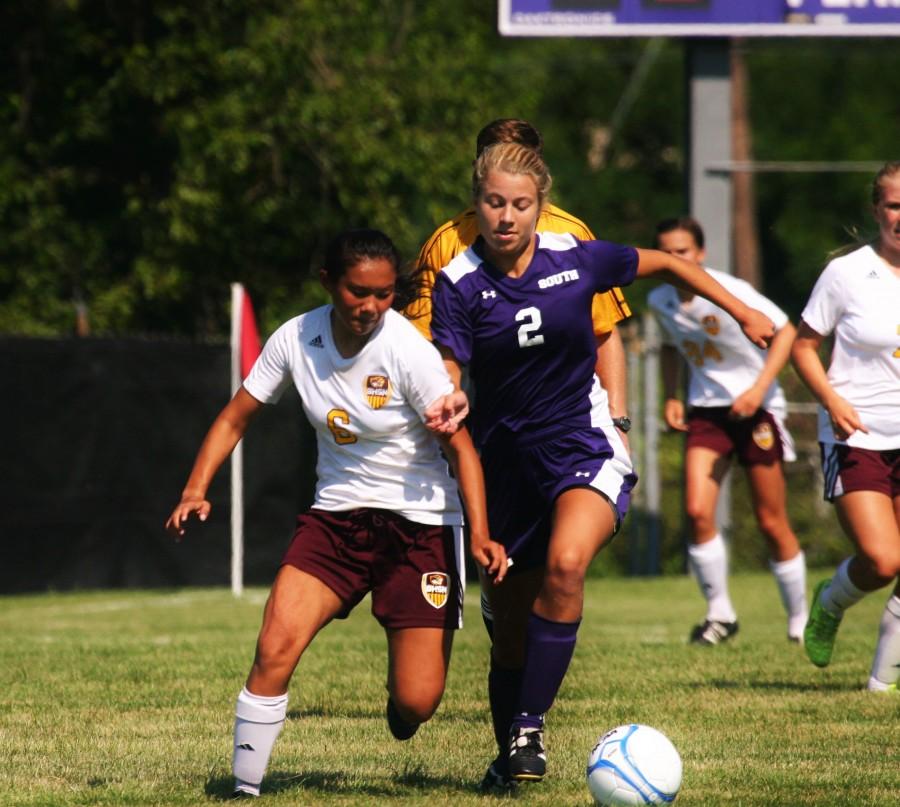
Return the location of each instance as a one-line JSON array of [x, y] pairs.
[[531, 317], [336, 420]]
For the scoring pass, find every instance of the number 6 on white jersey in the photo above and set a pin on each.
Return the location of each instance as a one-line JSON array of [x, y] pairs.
[[532, 322]]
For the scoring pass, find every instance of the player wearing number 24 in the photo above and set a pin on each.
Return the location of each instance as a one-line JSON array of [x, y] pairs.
[[857, 298], [736, 408], [386, 518], [516, 308]]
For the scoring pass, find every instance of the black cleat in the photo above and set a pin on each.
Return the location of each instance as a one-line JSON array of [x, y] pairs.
[[496, 779], [527, 758], [398, 726], [712, 632]]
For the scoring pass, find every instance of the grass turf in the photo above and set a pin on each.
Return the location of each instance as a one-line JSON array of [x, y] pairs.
[[126, 698]]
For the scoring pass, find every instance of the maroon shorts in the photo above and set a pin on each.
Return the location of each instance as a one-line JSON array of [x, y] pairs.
[[755, 440], [848, 469], [410, 568]]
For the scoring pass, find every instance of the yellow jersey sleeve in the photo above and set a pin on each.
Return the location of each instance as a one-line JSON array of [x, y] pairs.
[[446, 242]]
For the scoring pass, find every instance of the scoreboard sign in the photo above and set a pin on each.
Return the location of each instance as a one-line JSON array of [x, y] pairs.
[[684, 18]]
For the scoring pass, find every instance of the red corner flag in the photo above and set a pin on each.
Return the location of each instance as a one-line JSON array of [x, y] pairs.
[[245, 347], [245, 342]]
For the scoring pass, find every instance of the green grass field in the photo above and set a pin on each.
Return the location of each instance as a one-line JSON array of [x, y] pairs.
[[126, 698]]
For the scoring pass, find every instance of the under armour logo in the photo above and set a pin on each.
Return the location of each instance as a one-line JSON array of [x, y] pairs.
[[316, 342], [582, 473], [486, 295]]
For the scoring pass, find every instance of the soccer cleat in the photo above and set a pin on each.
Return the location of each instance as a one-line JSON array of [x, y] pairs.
[[496, 780], [712, 632], [398, 726], [882, 688], [527, 758], [821, 629], [243, 794]]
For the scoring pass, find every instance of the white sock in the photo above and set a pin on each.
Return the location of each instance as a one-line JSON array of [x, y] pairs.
[[790, 575], [886, 664], [258, 722], [840, 593], [709, 563]]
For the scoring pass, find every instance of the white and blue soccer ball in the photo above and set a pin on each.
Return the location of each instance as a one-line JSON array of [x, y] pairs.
[[634, 764]]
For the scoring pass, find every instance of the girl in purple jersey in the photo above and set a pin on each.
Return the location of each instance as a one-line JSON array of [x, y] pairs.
[[515, 307]]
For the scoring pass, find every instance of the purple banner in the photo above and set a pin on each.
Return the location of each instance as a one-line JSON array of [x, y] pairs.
[[700, 17]]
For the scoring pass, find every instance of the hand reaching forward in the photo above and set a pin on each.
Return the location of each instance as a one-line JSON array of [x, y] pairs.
[[758, 328], [187, 507], [447, 413]]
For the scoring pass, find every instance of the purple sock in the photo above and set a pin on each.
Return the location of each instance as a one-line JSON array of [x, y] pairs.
[[548, 651], [503, 691]]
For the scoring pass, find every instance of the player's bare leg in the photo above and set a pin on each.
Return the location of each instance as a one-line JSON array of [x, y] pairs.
[[417, 672], [704, 470], [299, 606], [768, 491], [870, 520]]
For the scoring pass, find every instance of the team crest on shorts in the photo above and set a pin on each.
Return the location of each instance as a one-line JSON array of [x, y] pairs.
[[435, 588], [763, 436], [711, 324], [377, 390]]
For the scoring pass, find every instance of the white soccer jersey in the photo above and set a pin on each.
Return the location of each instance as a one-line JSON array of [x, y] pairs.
[[723, 362], [858, 298], [374, 449]]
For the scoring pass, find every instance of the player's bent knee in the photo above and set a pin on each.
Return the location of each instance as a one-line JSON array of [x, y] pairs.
[[419, 706], [885, 566]]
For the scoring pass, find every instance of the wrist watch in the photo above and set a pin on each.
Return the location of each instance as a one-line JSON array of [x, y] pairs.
[[623, 424]]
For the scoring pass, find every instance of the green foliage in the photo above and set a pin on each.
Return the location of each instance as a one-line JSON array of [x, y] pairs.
[[150, 153], [128, 698]]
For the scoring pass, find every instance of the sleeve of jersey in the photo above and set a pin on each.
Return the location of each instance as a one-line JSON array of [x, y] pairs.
[[750, 296], [270, 375], [610, 264], [655, 306], [824, 307], [418, 312], [450, 323], [425, 377]]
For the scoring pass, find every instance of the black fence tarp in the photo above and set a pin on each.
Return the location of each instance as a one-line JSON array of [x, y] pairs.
[[100, 438]]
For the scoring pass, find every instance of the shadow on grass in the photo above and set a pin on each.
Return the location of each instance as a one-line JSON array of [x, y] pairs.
[[773, 686], [398, 784]]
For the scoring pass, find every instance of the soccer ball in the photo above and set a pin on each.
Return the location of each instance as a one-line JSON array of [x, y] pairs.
[[634, 764]]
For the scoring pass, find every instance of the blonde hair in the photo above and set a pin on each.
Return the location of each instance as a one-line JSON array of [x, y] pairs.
[[886, 170], [512, 158]]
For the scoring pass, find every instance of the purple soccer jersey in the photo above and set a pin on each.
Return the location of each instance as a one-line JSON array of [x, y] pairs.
[[529, 341]]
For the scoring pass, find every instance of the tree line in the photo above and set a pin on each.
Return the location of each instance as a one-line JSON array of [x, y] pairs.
[[153, 152]]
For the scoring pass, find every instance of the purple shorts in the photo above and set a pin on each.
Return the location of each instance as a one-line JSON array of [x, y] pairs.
[[756, 440], [848, 469], [524, 476], [411, 569]]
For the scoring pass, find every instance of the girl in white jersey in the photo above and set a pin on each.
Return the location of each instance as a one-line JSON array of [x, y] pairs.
[[857, 298], [386, 517], [736, 407]]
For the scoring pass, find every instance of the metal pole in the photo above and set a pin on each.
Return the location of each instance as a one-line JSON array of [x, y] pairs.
[[650, 471], [709, 191]]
